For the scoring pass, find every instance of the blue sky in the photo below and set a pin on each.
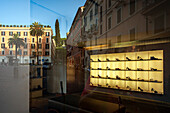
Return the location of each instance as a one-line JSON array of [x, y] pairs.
[[24, 12]]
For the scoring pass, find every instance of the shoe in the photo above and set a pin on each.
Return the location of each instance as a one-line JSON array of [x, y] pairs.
[[107, 59], [99, 85], [117, 77], [153, 58], [117, 59], [107, 77], [152, 69], [128, 59], [139, 58], [128, 68], [139, 69], [107, 68], [117, 69], [154, 90], [91, 83], [117, 86], [128, 78], [39, 87], [99, 68], [99, 76], [91, 60], [140, 89]]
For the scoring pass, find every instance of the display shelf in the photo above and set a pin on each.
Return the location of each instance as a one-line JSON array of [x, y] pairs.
[[155, 81], [124, 70], [128, 60], [129, 90], [129, 71]]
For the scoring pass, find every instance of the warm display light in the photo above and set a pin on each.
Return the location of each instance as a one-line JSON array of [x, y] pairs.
[[133, 71]]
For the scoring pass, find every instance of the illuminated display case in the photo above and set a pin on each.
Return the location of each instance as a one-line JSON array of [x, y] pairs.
[[132, 71]]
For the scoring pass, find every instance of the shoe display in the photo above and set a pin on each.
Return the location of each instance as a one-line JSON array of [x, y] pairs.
[[153, 58], [140, 89], [128, 59], [138, 71], [139, 58], [152, 69], [154, 90]]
